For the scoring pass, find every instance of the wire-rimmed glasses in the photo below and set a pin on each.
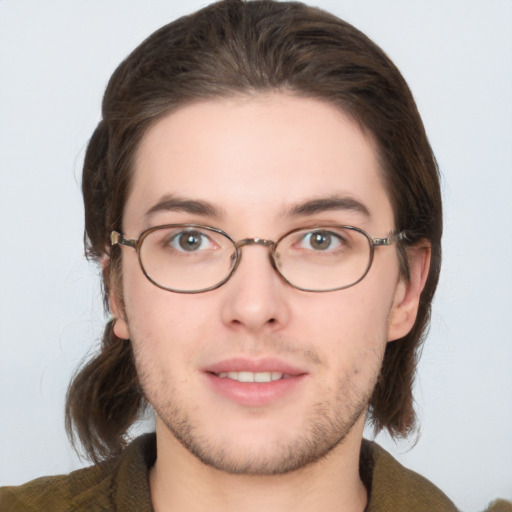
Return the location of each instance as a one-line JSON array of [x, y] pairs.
[[192, 258]]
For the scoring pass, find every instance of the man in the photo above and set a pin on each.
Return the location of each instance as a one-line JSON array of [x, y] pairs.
[[265, 205]]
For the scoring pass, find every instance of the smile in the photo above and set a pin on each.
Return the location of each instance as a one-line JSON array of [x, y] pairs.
[[252, 376]]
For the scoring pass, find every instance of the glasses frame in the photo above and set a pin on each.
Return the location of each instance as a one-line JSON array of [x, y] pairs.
[[116, 238]]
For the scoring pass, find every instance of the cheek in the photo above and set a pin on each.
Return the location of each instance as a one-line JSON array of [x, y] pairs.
[[349, 314], [155, 316], [167, 329], [349, 326]]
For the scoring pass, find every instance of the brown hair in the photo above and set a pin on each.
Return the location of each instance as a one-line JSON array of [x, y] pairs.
[[238, 47]]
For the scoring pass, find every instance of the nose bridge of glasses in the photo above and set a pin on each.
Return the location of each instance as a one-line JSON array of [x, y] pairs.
[[255, 241], [269, 244]]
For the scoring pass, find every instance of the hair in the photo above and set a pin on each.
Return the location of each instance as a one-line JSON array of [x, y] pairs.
[[234, 47]]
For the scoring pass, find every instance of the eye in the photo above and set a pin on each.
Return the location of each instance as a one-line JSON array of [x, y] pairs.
[[321, 241], [190, 241]]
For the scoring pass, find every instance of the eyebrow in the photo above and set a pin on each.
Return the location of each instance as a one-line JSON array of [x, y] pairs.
[[173, 203], [325, 204], [310, 207]]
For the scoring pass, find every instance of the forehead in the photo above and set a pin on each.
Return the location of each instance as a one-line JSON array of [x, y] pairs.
[[255, 157]]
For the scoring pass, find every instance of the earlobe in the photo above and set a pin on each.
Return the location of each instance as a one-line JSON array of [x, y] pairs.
[[407, 295], [120, 328]]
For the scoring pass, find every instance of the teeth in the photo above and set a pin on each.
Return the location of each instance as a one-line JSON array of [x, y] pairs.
[[251, 377], [242, 376]]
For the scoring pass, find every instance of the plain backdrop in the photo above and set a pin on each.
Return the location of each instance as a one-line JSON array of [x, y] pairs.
[[55, 59]]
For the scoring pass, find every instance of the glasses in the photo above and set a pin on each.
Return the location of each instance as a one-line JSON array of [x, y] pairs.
[[191, 258]]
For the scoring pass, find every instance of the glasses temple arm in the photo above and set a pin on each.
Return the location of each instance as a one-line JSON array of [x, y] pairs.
[[390, 239], [118, 239]]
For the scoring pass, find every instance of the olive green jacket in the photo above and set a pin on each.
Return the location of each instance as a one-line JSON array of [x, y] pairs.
[[122, 485]]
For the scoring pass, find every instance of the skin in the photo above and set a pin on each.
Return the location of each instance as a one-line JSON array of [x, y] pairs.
[[253, 159]]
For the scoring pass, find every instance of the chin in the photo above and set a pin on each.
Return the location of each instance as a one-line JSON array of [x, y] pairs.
[[267, 451]]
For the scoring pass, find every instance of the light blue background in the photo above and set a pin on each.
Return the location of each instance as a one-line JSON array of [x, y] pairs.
[[55, 60]]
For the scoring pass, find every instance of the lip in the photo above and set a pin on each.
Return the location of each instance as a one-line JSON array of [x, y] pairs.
[[240, 364], [254, 394]]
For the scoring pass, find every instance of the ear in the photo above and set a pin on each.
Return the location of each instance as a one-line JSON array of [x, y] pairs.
[[407, 295], [115, 302], [121, 329]]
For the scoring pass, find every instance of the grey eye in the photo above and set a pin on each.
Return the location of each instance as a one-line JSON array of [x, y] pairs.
[[190, 241], [321, 241]]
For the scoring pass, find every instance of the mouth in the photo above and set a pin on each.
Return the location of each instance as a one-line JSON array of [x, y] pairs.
[[260, 377], [254, 383], [243, 369]]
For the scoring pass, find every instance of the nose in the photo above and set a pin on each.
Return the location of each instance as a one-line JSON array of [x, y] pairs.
[[254, 298]]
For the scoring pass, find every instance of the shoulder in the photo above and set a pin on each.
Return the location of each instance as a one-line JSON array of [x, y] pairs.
[[500, 506], [116, 484], [396, 488], [56, 493]]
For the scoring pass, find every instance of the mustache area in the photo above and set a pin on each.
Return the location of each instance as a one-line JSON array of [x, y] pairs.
[[268, 345]]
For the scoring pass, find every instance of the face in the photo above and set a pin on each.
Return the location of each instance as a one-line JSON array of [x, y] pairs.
[[244, 165]]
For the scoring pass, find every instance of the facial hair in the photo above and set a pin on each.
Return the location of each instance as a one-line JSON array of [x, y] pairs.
[[327, 424]]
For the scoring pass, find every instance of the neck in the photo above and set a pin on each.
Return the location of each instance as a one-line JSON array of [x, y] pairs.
[[180, 482]]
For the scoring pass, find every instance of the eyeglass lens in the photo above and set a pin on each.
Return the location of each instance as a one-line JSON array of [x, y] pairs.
[[192, 259]]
